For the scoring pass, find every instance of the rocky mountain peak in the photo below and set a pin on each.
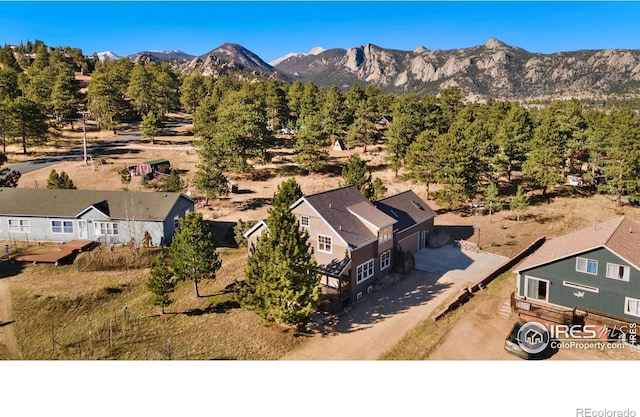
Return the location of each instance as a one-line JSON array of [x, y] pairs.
[[494, 43]]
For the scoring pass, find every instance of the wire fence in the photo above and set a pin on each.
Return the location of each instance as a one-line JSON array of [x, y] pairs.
[[123, 335]]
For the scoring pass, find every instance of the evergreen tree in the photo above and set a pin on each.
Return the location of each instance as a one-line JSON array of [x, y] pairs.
[[59, 181], [141, 88], [192, 92], [65, 95], [311, 143], [209, 178], [621, 151], [334, 114], [520, 202], [173, 183], [161, 283], [288, 192], [151, 126], [408, 122], [27, 122], [193, 251], [281, 280], [422, 162], [8, 177], [355, 173], [376, 190], [492, 199]]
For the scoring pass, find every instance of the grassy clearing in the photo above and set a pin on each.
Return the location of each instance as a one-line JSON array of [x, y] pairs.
[[85, 313]]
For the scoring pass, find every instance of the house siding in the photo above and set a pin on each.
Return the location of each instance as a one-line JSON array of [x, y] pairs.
[[610, 298], [160, 231], [317, 226]]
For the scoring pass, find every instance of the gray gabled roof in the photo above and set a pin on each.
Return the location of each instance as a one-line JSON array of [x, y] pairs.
[[620, 235], [29, 202], [407, 208], [338, 208]]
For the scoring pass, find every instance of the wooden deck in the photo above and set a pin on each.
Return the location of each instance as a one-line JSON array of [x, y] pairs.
[[57, 255]]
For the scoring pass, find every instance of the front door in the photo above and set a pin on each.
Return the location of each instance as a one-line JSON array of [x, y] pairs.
[[82, 229]]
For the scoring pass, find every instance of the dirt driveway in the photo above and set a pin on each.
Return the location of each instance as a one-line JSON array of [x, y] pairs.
[[8, 344], [373, 326]]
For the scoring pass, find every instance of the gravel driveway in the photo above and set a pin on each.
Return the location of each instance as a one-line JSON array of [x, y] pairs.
[[375, 324]]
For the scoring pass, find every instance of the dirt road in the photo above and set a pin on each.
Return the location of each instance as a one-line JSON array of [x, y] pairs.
[[380, 320], [8, 344]]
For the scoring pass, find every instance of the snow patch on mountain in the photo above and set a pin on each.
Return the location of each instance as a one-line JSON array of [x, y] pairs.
[[107, 55], [317, 50]]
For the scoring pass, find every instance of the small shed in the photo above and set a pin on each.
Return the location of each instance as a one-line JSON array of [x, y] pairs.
[[339, 145], [150, 168]]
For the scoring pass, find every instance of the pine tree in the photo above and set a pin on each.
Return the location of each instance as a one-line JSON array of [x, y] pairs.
[[59, 181], [8, 177], [209, 177], [311, 143], [193, 251], [288, 192], [151, 126], [492, 199], [376, 190], [520, 202], [161, 283], [53, 181], [173, 183], [355, 173], [281, 280]]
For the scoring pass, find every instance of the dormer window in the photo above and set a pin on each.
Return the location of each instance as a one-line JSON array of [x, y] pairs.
[[418, 206], [385, 234]]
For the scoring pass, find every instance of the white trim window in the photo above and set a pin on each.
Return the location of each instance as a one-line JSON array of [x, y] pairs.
[[106, 228], [62, 227], [364, 271], [324, 244], [537, 289], [632, 306], [19, 226], [385, 260], [304, 221], [619, 272], [587, 266]]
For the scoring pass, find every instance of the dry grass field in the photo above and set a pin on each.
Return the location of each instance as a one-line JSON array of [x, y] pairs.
[[63, 313]]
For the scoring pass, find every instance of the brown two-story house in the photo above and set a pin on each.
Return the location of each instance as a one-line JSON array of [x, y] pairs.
[[353, 240]]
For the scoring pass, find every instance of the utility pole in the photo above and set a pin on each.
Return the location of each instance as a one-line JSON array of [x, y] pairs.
[[84, 135]]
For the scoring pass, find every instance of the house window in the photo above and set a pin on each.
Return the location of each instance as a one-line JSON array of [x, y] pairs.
[[588, 266], [385, 260], [364, 271], [537, 289], [104, 228], [304, 221], [385, 234], [632, 306], [62, 226], [324, 243], [619, 272], [19, 225], [176, 223]]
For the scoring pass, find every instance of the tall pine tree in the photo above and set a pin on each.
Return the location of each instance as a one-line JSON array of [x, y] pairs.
[[281, 280], [193, 251]]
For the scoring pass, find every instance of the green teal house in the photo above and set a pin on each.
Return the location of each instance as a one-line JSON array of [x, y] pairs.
[[591, 276]]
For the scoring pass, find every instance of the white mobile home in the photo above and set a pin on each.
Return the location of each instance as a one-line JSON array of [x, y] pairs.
[[103, 216]]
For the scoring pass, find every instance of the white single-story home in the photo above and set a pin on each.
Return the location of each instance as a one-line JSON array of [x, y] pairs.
[[103, 216]]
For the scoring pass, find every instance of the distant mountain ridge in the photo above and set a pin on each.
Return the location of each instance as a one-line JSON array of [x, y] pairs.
[[492, 70]]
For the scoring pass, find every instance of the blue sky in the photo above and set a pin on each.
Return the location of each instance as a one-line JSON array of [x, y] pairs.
[[272, 29]]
